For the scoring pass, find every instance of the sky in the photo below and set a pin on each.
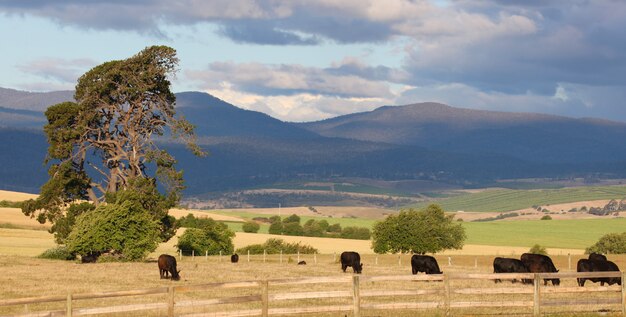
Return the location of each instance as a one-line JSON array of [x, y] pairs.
[[305, 60]]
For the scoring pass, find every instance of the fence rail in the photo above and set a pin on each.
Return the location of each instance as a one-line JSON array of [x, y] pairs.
[[444, 301]]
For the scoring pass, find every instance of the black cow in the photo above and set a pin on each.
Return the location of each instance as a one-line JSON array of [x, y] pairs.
[[424, 263], [539, 263], [234, 258], [507, 265], [586, 265], [353, 259], [302, 263], [167, 264], [597, 257], [90, 258]]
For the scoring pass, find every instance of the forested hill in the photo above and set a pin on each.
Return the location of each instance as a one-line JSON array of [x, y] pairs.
[[527, 136]]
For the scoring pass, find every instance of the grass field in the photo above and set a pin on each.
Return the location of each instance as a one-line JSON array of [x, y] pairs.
[[500, 200]]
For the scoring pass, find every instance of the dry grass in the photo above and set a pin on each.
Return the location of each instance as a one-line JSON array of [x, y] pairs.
[[14, 216], [26, 277], [16, 196], [178, 213]]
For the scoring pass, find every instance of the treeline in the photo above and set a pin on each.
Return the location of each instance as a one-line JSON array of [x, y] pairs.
[[276, 246], [290, 226]]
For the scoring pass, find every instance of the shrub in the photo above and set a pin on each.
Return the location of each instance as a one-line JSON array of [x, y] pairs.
[[125, 228], [57, 253], [612, 243], [538, 249], [313, 228], [276, 228], [355, 233], [274, 246], [546, 217], [334, 228], [251, 227], [211, 238], [292, 229], [293, 218]]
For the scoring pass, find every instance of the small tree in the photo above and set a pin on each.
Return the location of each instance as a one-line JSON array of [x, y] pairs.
[[292, 229], [312, 228], [428, 230], [293, 218], [276, 228], [612, 243], [546, 217], [538, 249], [213, 237], [251, 227]]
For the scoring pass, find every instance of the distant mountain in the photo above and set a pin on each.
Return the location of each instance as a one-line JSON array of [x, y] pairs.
[[429, 142], [526, 136], [216, 118], [25, 109]]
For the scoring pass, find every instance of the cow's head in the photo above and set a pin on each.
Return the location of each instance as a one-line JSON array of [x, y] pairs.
[[175, 275], [358, 268]]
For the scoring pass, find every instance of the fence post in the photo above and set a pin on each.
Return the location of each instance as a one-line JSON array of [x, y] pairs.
[[68, 307], [399, 260], [449, 261], [376, 259], [264, 298], [220, 258], [356, 296], [569, 261], [193, 255], [180, 255], [281, 256], [315, 257], [475, 262], [206, 255], [248, 255], [264, 255], [298, 256], [446, 294], [170, 301], [536, 296], [623, 294], [334, 257]]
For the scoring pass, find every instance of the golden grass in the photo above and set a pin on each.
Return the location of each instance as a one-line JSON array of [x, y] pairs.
[[178, 213], [14, 216], [24, 242], [28, 277], [16, 196]]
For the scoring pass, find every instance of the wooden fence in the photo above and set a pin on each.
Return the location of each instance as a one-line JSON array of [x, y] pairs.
[[444, 295]]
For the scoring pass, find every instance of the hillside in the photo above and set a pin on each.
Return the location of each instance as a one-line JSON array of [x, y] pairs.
[[527, 136]]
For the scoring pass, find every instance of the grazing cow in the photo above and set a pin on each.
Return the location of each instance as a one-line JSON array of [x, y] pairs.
[[539, 263], [353, 259], [167, 264], [586, 265], [89, 258], [507, 265], [424, 263], [302, 263], [234, 258], [597, 257]]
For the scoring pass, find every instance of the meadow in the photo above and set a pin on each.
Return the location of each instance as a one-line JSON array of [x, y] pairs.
[[501, 200]]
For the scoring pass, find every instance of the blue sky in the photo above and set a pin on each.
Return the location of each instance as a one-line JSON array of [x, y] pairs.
[[315, 59]]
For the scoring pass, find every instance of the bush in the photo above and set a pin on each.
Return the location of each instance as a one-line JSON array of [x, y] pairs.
[[612, 243], [334, 228], [274, 246], [124, 228], [58, 253], [355, 233], [251, 227], [293, 218], [546, 217], [538, 249], [211, 238], [292, 229], [313, 228], [276, 228]]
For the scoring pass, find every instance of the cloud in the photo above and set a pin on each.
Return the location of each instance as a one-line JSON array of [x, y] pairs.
[[275, 80], [62, 71], [264, 33]]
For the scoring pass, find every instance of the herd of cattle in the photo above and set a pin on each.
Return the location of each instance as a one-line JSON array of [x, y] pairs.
[[528, 263]]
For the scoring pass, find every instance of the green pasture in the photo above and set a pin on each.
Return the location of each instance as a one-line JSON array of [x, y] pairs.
[[344, 222], [569, 234], [500, 200]]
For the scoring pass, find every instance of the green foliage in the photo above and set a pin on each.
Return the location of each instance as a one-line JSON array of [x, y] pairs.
[[11, 204], [538, 249], [251, 227], [355, 233], [334, 228], [275, 219], [546, 217], [57, 253], [123, 228], [411, 231], [293, 218], [191, 221], [276, 228], [612, 243], [292, 229], [323, 225], [274, 246], [498, 217], [312, 228], [64, 224], [212, 237]]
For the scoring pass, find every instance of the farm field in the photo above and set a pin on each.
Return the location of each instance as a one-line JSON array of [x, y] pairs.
[[62, 277], [500, 200]]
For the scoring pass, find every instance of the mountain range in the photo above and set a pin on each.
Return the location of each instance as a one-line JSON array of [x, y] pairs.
[[424, 141]]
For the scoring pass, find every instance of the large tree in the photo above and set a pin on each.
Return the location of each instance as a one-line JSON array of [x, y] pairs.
[[104, 142], [418, 231]]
